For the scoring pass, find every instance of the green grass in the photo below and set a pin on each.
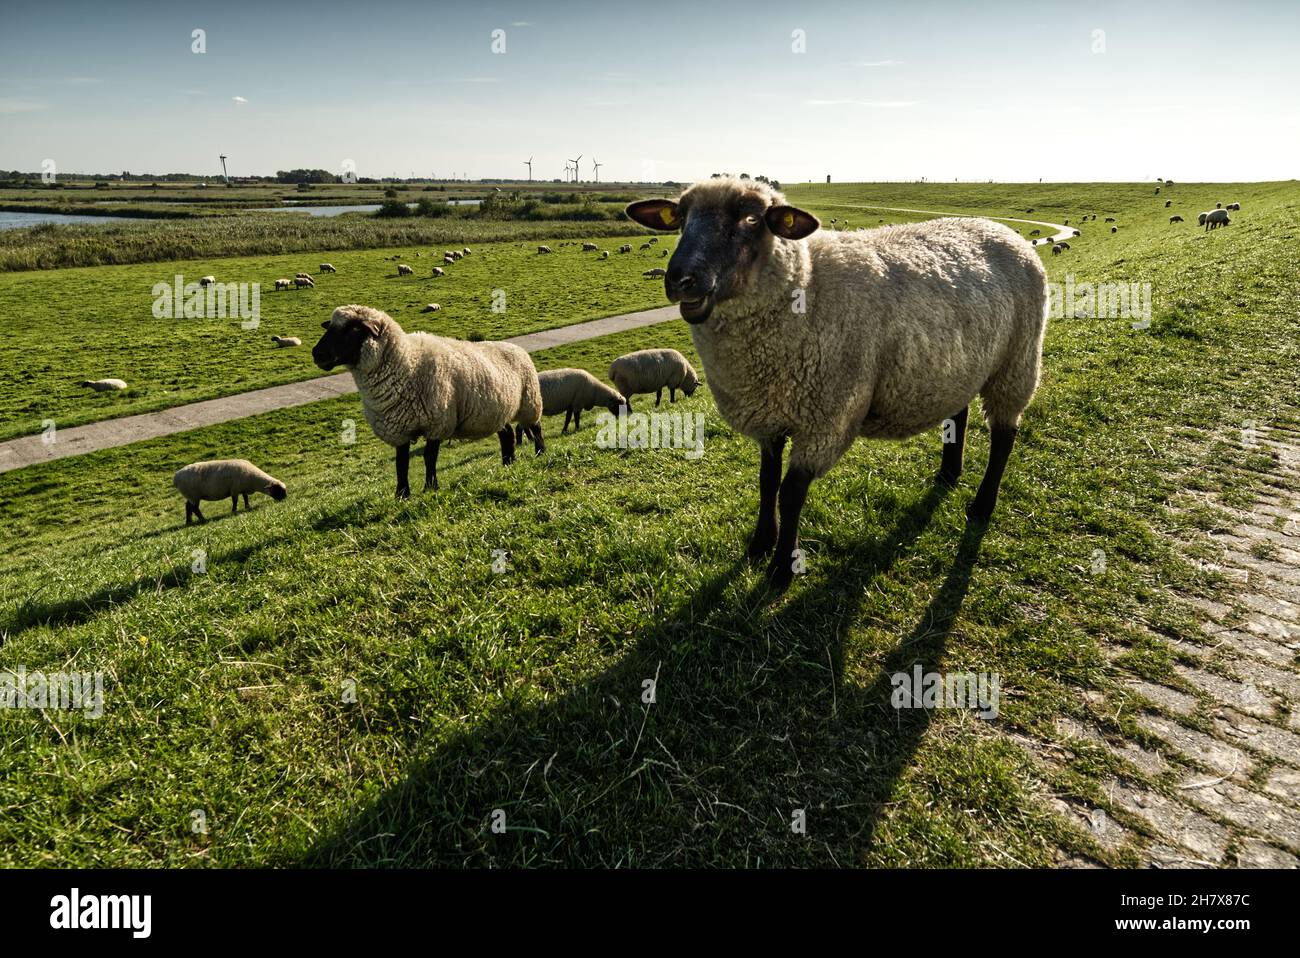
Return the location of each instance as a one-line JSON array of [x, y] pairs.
[[70, 325], [522, 691]]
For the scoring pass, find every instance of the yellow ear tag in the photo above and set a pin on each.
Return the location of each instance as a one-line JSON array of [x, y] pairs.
[[666, 214], [789, 221]]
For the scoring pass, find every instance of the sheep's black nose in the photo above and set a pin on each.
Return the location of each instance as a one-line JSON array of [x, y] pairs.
[[679, 279]]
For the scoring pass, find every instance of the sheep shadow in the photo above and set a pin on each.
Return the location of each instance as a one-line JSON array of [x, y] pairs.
[[741, 732]]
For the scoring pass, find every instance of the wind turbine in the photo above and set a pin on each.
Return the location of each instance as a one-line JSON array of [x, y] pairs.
[[224, 175], [529, 163], [596, 168], [575, 167]]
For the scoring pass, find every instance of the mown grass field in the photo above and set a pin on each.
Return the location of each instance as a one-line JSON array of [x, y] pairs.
[[522, 691]]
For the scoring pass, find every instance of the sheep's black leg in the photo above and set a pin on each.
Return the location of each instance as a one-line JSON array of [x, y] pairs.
[[234, 504], [198, 515], [539, 444], [520, 432], [769, 481], [245, 500], [189, 512], [659, 395], [954, 452], [672, 394], [568, 418], [577, 419], [403, 470], [507, 437], [431, 463], [981, 507], [794, 490]]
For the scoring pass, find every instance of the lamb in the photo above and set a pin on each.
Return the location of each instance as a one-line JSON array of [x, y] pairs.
[[207, 280], [417, 384], [572, 391], [903, 327], [655, 273], [286, 341], [104, 385], [543, 249], [1216, 218], [303, 281], [438, 271], [327, 268], [215, 480], [1175, 219], [283, 283], [404, 270], [651, 371]]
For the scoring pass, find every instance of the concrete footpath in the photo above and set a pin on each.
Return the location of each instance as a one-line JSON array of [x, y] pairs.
[[79, 440]]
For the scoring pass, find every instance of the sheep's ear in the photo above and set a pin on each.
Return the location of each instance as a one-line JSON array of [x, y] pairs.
[[655, 214], [790, 222], [371, 325]]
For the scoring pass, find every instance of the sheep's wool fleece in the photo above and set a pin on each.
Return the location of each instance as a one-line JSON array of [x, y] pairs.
[[904, 326], [418, 384], [649, 370], [219, 479], [565, 389]]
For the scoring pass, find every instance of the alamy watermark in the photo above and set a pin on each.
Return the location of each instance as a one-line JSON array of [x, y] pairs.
[[1131, 301], [208, 299], [83, 691], [978, 691], [655, 430]]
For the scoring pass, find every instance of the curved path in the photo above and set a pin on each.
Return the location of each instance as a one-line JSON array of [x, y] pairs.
[[109, 433]]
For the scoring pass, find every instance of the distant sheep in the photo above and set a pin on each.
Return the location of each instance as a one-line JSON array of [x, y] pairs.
[[1175, 219], [604, 254], [404, 270], [1056, 250], [645, 246], [285, 342], [303, 281], [1168, 203], [653, 371], [104, 385], [904, 327], [221, 478], [1114, 229], [1200, 219], [417, 384], [1216, 218], [327, 268], [543, 249], [431, 308], [1035, 232], [1110, 219], [283, 283], [589, 247], [1233, 206], [439, 271], [625, 248], [207, 280], [655, 273], [465, 251], [652, 240]]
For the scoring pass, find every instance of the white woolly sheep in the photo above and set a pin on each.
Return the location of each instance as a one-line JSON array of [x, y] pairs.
[[220, 479], [417, 384], [655, 273], [543, 249], [604, 254], [303, 281], [431, 308], [1200, 219], [457, 254], [283, 283], [207, 280], [1233, 206], [903, 327], [404, 270], [327, 268], [465, 251], [653, 371], [625, 248], [572, 392], [1216, 218], [286, 341], [1114, 229], [438, 271], [589, 247], [104, 385], [447, 261], [300, 275]]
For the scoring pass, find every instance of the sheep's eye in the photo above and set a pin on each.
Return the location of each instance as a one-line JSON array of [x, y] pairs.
[[749, 220]]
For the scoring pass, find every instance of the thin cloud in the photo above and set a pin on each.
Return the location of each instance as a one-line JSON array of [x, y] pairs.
[[15, 104], [477, 80], [240, 100], [880, 63], [874, 104], [521, 23]]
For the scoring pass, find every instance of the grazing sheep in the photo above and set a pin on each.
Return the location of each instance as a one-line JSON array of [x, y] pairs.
[[543, 249], [283, 283], [656, 272], [645, 246], [1233, 206], [457, 254], [104, 385], [589, 247], [302, 281], [1218, 206], [664, 252], [1075, 233], [1157, 191], [1175, 219], [1110, 219], [1168, 203], [1200, 220], [1216, 218], [652, 240], [1035, 232], [904, 326], [404, 270], [572, 391], [1056, 250], [465, 251], [221, 478], [417, 384], [285, 342], [651, 371], [1114, 229], [625, 248], [604, 254], [431, 308], [447, 261], [207, 280], [438, 271], [327, 268]]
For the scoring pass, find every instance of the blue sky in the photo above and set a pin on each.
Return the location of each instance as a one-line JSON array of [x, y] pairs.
[[659, 90]]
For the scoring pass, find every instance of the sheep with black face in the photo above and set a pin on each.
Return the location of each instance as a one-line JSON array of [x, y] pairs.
[[817, 338]]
